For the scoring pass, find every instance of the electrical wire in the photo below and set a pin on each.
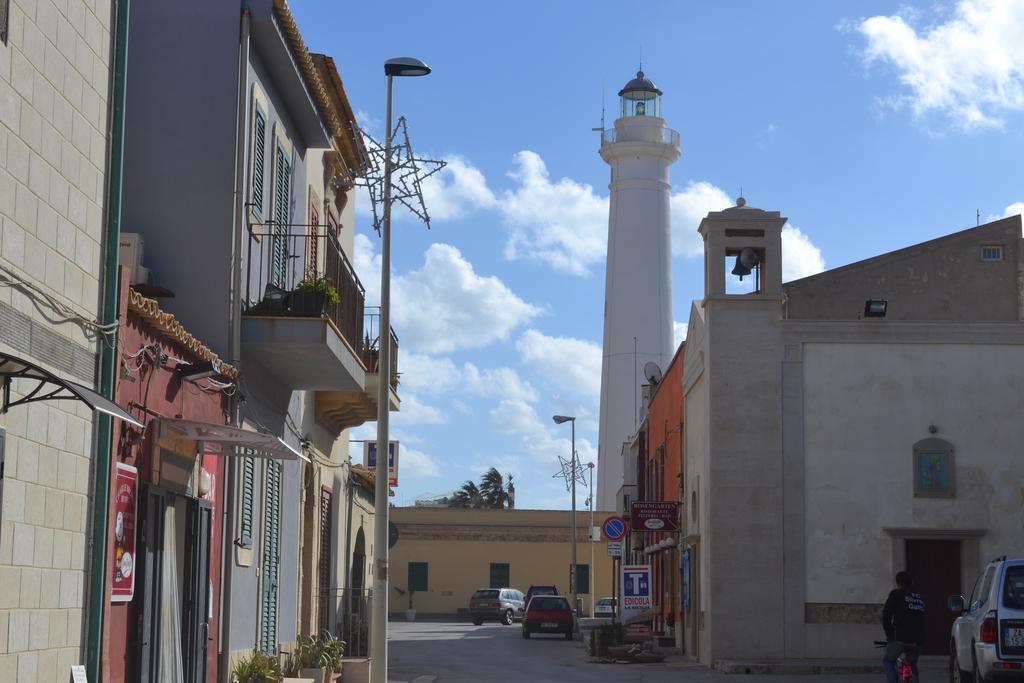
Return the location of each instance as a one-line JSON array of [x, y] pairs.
[[66, 314]]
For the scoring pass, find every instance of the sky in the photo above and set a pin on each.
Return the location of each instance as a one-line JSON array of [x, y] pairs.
[[871, 125]]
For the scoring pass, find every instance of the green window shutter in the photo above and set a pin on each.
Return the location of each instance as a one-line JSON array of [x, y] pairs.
[[271, 559], [282, 202], [417, 576], [246, 503], [499, 575], [259, 154], [583, 578]]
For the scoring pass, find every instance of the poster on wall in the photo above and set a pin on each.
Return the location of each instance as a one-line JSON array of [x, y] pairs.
[[370, 459], [684, 566], [126, 488], [637, 602]]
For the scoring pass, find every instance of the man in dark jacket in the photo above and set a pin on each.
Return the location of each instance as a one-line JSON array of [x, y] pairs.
[[903, 621]]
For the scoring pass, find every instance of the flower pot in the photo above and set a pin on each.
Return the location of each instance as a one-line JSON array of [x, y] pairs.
[[303, 303], [410, 614], [318, 675]]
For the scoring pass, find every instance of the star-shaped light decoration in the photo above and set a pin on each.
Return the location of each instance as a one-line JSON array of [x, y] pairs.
[[567, 473], [407, 175]]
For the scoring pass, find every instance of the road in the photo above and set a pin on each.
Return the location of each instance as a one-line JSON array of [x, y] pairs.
[[424, 652]]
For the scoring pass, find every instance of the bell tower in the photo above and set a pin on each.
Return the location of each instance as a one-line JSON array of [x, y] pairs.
[[638, 280]]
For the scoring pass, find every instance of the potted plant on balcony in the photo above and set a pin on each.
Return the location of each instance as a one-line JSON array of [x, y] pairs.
[[256, 668], [310, 295]]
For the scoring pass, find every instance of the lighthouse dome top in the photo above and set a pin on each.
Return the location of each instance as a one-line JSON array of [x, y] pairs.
[[640, 97]]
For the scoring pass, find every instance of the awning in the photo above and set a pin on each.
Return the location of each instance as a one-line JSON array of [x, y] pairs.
[[244, 442], [51, 387]]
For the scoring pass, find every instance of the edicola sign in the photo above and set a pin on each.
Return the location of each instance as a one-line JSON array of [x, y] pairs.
[[637, 605]]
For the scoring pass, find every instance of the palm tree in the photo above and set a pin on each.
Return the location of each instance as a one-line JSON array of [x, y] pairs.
[[492, 490], [468, 496]]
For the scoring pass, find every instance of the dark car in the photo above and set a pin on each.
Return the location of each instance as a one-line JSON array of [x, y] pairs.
[[548, 614], [540, 590], [496, 604]]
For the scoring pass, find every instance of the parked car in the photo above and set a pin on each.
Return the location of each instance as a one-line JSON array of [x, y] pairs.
[[540, 590], [605, 608], [987, 639], [496, 604], [548, 614]]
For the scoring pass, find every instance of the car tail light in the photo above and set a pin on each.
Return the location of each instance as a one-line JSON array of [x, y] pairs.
[[1009, 666], [989, 631]]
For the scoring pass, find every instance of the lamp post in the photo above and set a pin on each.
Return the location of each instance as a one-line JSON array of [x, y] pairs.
[[402, 66], [593, 567], [560, 419]]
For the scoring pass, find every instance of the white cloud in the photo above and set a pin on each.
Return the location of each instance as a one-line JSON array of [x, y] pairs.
[[415, 412], [457, 190], [562, 223], [515, 416], [445, 305], [969, 68], [502, 382], [689, 207], [1014, 209], [569, 363], [417, 463], [426, 374], [679, 331], [800, 258]]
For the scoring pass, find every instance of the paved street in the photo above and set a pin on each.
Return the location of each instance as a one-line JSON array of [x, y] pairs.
[[455, 651]]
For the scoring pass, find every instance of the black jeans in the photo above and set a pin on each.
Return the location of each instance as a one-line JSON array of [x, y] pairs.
[[893, 650]]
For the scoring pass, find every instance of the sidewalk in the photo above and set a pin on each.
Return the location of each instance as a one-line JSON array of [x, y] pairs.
[[810, 667]]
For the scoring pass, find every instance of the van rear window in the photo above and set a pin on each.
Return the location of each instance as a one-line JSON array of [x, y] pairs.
[[1013, 588]]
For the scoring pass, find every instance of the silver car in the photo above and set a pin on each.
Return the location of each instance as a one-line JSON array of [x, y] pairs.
[[605, 608], [496, 604], [987, 640]]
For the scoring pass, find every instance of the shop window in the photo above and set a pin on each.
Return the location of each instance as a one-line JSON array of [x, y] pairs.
[[417, 576], [500, 575]]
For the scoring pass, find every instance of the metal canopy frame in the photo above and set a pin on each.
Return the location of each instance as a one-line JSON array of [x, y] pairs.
[[243, 441], [50, 387]]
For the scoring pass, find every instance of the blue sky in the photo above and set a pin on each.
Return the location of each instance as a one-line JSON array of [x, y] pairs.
[[871, 125]]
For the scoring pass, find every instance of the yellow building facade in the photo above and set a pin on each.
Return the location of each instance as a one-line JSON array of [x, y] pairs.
[[446, 554]]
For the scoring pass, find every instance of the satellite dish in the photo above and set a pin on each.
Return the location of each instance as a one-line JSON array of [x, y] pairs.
[[652, 372], [746, 261]]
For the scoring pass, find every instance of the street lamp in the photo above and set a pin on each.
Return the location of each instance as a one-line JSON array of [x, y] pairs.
[[561, 419], [593, 567], [402, 66]]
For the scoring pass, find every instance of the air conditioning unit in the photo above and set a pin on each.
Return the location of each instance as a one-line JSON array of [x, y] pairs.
[[132, 248]]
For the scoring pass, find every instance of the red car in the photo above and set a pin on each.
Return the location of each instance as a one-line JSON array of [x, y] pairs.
[[548, 614]]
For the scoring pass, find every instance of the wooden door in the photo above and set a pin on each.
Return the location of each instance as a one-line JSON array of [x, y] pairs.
[[935, 567]]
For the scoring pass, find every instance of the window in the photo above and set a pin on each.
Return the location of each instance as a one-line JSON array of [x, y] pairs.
[[282, 214], [245, 504], [499, 575], [1013, 588], [992, 252], [259, 154], [583, 578], [486, 594], [933, 469], [313, 268], [271, 558], [5, 17], [417, 576], [981, 597]]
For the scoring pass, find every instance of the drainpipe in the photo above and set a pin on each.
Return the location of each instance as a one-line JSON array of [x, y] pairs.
[[103, 445], [240, 212]]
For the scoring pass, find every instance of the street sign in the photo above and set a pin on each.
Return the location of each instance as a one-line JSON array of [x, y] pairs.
[[614, 528], [614, 548], [654, 515], [370, 459]]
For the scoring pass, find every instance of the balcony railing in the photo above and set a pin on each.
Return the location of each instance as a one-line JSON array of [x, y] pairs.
[[371, 346], [611, 136], [305, 274]]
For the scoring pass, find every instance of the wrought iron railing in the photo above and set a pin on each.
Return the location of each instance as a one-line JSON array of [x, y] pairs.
[[611, 136], [307, 274], [371, 346]]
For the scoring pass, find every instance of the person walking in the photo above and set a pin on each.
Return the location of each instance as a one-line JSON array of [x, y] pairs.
[[903, 622]]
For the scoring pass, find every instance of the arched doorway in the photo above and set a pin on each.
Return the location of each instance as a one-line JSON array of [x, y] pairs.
[[358, 562], [357, 601]]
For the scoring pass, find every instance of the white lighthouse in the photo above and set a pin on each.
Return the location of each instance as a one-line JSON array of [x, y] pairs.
[[638, 282]]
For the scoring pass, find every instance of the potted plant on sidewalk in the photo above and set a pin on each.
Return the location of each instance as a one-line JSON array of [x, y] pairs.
[[410, 614], [256, 668], [311, 294]]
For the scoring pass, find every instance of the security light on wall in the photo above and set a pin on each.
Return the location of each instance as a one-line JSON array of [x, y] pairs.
[[197, 371], [875, 308]]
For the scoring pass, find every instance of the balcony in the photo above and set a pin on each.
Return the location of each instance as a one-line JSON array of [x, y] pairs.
[[303, 314]]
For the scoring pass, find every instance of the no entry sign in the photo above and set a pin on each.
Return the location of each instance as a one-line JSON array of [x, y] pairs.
[[614, 528]]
